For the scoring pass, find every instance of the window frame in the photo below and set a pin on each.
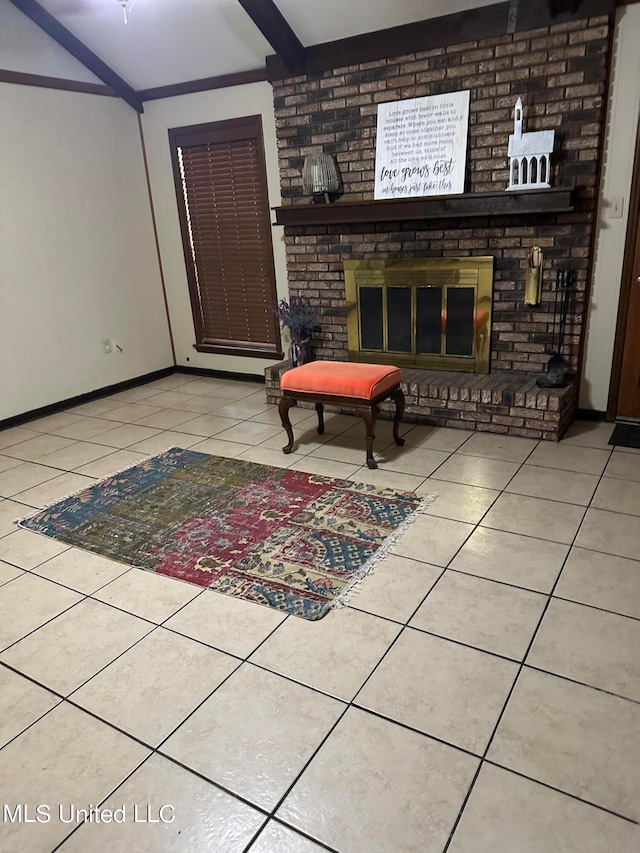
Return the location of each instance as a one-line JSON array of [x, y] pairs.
[[226, 130]]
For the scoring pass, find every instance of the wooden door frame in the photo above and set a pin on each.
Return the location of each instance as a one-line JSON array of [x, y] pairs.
[[633, 223]]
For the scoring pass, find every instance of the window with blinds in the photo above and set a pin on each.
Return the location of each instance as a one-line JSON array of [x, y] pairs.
[[221, 186]]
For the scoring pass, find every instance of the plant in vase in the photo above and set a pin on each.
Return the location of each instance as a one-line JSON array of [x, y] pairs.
[[300, 319]]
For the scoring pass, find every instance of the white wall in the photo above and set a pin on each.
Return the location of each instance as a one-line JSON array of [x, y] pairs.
[[199, 108], [25, 47], [78, 260], [622, 122]]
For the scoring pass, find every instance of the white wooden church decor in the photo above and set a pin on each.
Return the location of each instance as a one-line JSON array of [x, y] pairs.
[[529, 155]]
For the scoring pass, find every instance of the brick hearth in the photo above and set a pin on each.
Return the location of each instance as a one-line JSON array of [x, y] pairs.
[[508, 403]]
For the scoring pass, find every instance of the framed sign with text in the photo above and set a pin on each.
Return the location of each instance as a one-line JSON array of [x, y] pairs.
[[421, 146]]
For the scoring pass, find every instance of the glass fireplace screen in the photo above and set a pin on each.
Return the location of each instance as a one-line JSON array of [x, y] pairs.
[[427, 312]]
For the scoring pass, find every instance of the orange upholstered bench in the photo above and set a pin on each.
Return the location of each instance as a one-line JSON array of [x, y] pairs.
[[360, 386]]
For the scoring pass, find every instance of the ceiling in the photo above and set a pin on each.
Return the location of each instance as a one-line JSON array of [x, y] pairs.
[[174, 41]]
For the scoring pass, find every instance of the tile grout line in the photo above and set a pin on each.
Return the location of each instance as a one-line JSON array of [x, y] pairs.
[[349, 705], [274, 819], [104, 799], [519, 672], [156, 750], [539, 592], [549, 787], [475, 527]]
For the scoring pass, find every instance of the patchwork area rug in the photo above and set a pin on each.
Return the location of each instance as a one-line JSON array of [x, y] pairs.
[[293, 541]]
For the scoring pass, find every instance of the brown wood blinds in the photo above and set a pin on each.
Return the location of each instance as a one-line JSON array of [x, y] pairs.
[[221, 187]]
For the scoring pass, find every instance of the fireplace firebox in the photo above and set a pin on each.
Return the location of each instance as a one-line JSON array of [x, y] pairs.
[[432, 313]]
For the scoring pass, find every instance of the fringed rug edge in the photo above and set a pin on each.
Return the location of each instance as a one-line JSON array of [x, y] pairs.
[[355, 584], [76, 492]]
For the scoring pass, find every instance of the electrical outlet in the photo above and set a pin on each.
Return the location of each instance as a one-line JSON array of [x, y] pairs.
[[106, 344]]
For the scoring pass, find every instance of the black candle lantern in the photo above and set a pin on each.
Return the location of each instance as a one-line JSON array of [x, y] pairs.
[[320, 177], [557, 365]]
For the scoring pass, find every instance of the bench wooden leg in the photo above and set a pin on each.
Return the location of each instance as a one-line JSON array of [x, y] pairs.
[[398, 397], [283, 408], [363, 407], [369, 417]]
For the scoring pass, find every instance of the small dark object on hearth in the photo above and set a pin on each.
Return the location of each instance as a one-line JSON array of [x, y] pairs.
[[557, 365]]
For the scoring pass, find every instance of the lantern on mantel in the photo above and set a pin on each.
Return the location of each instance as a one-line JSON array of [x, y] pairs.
[[320, 176]]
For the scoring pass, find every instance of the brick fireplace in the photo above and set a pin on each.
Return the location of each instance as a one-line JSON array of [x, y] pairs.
[[560, 72]]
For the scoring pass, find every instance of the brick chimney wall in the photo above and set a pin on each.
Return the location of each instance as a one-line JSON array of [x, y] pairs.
[[561, 74]]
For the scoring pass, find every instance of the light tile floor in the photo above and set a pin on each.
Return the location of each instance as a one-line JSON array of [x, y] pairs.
[[481, 694]]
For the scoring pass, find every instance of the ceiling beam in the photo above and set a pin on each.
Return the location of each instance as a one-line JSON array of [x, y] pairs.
[[277, 31], [43, 82], [80, 51], [206, 84]]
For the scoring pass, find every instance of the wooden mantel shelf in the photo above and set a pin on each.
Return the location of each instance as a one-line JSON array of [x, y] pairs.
[[503, 203]]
